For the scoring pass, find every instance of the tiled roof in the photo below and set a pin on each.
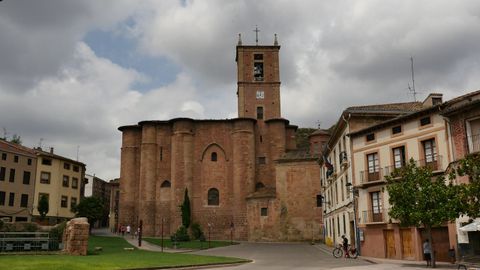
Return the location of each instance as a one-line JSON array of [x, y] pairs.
[[402, 107], [297, 155], [48, 154], [320, 132], [16, 148]]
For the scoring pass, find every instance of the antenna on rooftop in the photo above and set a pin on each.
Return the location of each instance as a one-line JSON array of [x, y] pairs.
[[40, 142], [319, 123], [412, 88], [5, 133]]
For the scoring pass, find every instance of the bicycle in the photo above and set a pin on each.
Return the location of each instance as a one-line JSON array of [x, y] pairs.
[[338, 252]]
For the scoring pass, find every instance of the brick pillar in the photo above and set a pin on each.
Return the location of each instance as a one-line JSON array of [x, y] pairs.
[[182, 167], [163, 195], [148, 176], [243, 139], [75, 237], [128, 202]]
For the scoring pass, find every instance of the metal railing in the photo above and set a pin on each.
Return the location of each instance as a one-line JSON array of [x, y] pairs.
[[434, 163], [473, 143], [28, 241], [366, 176], [371, 216]]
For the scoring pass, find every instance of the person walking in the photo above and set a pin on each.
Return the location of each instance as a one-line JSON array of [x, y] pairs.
[[427, 252]]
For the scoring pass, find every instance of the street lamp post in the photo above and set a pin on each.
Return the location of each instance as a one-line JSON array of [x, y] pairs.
[[354, 192], [209, 229]]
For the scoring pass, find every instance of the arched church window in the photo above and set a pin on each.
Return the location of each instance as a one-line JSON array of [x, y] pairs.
[[259, 185], [166, 184], [213, 197], [214, 156]]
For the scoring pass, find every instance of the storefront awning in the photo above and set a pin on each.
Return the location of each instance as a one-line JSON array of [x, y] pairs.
[[472, 227]]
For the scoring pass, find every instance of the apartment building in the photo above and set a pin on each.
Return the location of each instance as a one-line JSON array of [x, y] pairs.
[[114, 201], [378, 150], [17, 181], [337, 168], [59, 179], [463, 114], [97, 187]]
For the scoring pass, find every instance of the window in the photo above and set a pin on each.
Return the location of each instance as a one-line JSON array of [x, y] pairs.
[[259, 112], [213, 156], [64, 202], [398, 157], [76, 168], [12, 175], [370, 137], [259, 185], [2, 173], [258, 56], [344, 224], [65, 181], [319, 200], [40, 195], [24, 200], [376, 206], [425, 121], [166, 184], [213, 197], [2, 197], [46, 161], [45, 178], [21, 219], [11, 199], [261, 138], [4, 156], [262, 160], [66, 166], [429, 150], [29, 161], [264, 211], [161, 153], [15, 159], [436, 101], [74, 183], [258, 71], [73, 202], [343, 189], [396, 129], [373, 165], [26, 178]]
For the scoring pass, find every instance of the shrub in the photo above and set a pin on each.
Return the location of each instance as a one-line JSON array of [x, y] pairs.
[[30, 227], [180, 235], [196, 231], [57, 231]]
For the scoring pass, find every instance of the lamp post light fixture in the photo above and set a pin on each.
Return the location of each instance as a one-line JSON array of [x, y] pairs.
[[354, 191], [209, 230]]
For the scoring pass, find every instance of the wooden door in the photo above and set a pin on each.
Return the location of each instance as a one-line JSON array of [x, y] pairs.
[[407, 244], [389, 243]]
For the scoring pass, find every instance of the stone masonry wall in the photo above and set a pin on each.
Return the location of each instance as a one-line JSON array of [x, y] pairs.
[[75, 237]]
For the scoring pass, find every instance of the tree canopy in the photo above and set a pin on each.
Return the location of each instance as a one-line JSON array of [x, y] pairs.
[[43, 206], [91, 208], [470, 167], [16, 139], [417, 198], [301, 137]]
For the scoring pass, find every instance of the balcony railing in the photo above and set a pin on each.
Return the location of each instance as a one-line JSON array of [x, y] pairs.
[[434, 163], [366, 176], [371, 216], [473, 143]]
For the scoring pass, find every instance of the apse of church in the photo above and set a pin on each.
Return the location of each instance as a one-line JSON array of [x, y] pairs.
[[229, 166]]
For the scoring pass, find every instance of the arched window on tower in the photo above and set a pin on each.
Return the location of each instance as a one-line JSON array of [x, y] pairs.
[[259, 185], [213, 197], [214, 156], [166, 184]]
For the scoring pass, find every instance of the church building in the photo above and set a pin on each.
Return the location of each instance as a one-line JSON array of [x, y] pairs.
[[245, 177]]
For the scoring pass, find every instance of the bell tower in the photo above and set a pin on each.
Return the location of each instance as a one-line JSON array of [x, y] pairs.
[[258, 79]]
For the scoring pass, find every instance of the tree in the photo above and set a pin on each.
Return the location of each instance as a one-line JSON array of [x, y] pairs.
[[419, 199], [301, 137], [43, 206], [186, 211], [470, 166], [16, 139], [91, 208]]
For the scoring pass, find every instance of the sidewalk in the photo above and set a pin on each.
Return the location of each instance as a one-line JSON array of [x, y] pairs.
[[134, 242], [382, 263]]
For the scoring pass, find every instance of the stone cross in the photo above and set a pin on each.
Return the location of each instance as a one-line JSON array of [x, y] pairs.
[[256, 34]]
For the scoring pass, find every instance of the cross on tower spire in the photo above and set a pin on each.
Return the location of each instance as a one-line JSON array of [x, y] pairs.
[[256, 34]]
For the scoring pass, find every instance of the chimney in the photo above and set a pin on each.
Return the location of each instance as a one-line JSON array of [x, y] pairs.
[[51, 150]]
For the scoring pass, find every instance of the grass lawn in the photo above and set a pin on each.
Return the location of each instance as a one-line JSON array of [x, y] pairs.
[[113, 256], [188, 245]]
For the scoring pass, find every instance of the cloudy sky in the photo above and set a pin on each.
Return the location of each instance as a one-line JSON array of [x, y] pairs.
[[72, 71]]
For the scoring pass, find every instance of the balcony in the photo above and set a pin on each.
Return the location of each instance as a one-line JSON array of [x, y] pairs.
[[473, 143], [369, 177], [371, 216], [435, 163]]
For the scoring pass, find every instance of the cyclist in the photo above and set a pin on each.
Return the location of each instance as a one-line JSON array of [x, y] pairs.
[[345, 246]]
